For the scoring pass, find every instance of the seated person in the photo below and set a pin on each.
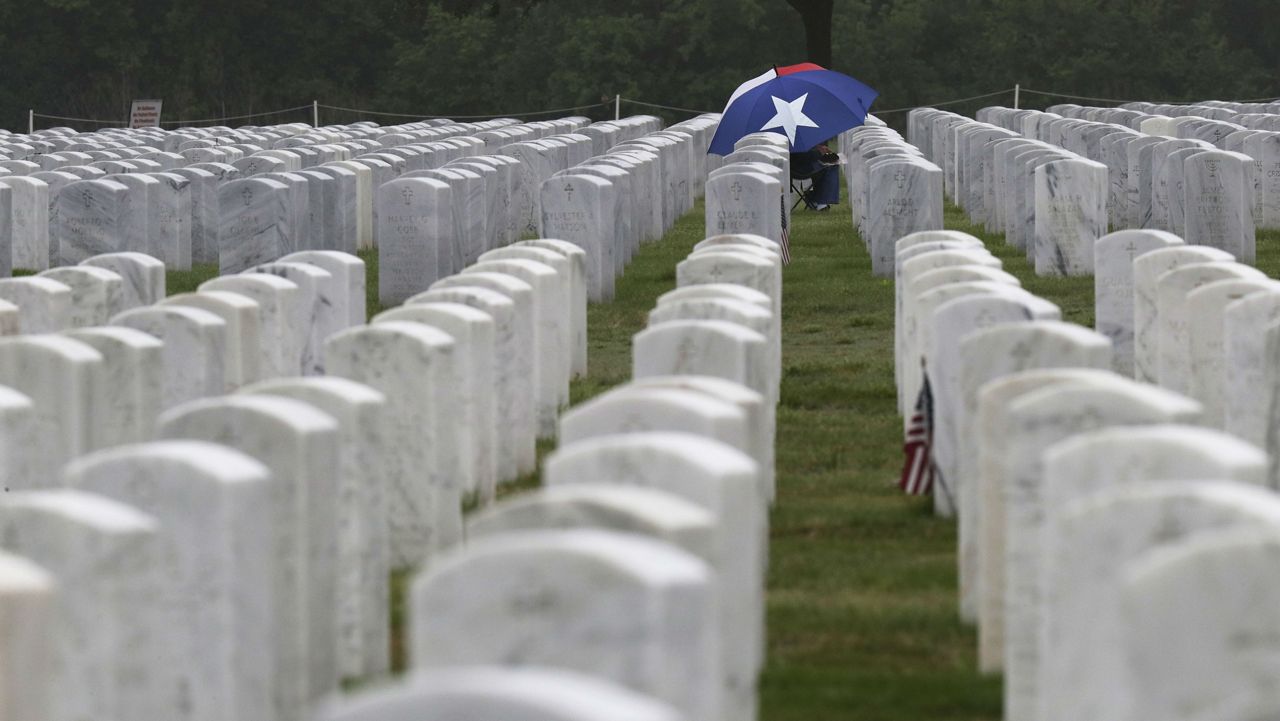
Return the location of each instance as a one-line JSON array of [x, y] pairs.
[[821, 166]]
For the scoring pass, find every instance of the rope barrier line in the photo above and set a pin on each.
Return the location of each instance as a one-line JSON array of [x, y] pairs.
[[1121, 102], [237, 117], [460, 117], [667, 107], [79, 120], [957, 101], [642, 103]]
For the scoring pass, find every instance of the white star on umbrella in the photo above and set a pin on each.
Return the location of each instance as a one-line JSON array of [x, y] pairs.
[[790, 116]]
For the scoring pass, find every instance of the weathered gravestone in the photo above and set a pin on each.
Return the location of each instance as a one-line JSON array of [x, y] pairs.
[[1033, 423], [1113, 257], [515, 427], [580, 209], [342, 207], [952, 323], [243, 348], [706, 347], [904, 198], [277, 299], [549, 357], [203, 189], [472, 331], [170, 224], [1221, 661], [743, 203], [1206, 320], [412, 365], [1244, 352], [1218, 204], [349, 276], [90, 217], [985, 356], [213, 505], [299, 444], [418, 236], [363, 546], [27, 622], [61, 378], [1173, 369], [567, 311], [96, 293], [577, 258], [1147, 270], [1114, 494], [319, 312], [1070, 215], [629, 609], [253, 223], [130, 396], [104, 557], [28, 221], [194, 349], [994, 400], [44, 305]]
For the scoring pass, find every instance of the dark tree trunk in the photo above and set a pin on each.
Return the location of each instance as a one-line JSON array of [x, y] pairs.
[[816, 16]]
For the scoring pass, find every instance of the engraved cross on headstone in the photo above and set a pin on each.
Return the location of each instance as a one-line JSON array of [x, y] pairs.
[[686, 352], [407, 194], [247, 194], [736, 189], [568, 189], [900, 178]]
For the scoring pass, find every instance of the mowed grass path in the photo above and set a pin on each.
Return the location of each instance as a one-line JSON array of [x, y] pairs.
[[862, 597], [862, 620]]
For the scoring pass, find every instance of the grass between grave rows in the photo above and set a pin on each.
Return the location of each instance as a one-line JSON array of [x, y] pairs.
[[861, 592], [861, 617]]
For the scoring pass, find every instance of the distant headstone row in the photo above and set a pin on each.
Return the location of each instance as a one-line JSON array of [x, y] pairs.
[[1054, 181], [1113, 487]]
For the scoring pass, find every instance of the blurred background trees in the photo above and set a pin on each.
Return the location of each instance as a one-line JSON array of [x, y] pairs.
[[90, 58]]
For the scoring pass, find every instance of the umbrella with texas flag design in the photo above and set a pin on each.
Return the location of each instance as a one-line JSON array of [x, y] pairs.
[[807, 103]]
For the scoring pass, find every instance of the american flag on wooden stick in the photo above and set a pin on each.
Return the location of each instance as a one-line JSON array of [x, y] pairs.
[[918, 470], [786, 233]]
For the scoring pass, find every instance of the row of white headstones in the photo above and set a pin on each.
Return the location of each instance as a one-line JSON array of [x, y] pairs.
[[275, 326], [477, 187], [564, 577], [1117, 519], [1054, 181], [169, 206], [309, 488]]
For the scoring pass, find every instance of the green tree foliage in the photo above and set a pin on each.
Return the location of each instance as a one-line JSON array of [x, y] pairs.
[[89, 58]]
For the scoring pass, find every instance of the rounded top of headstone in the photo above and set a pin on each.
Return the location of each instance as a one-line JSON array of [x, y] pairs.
[[535, 694], [298, 416], [20, 577], [335, 386], [207, 459]]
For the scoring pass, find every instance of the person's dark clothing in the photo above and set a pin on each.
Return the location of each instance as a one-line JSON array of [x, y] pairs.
[[826, 178]]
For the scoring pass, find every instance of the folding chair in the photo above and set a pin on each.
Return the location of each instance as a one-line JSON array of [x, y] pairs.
[[800, 186]]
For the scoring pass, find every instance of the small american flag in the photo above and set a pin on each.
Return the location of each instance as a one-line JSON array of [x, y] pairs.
[[918, 470], [786, 234]]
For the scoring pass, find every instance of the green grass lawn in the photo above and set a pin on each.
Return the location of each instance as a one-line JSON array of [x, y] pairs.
[[862, 598]]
